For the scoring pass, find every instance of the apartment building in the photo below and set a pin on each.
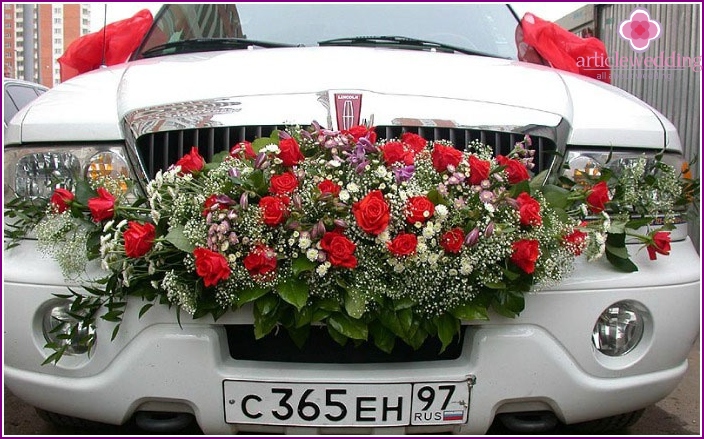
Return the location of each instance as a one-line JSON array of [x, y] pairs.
[[54, 27]]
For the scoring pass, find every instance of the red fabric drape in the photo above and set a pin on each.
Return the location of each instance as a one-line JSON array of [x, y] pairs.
[[561, 49], [121, 38]]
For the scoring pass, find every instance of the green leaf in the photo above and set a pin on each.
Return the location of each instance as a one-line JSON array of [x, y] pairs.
[[304, 317], [266, 304], [470, 312], [447, 326], [519, 188], [354, 303], [264, 323], [299, 335], [335, 335], [417, 339], [556, 196], [405, 317], [621, 264], [539, 180], [257, 181], [436, 198], [496, 285], [349, 327], [250, 295], [635, 224], [383, 338], [301, 264], [144, 309], [84, 192], [295, 292], [261, 142], [216, 160], [177, 238], [327, 304], [619, 252], [403, 303]]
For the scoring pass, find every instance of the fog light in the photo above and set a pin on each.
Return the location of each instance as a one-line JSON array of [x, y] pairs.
[[619, 328], [59, 328]]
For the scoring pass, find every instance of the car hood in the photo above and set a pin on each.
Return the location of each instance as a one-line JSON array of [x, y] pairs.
[[295, 85]]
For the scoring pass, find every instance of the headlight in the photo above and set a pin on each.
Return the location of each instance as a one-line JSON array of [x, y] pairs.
[[31, 172], [56, 326], [581, 165], [619, 328]]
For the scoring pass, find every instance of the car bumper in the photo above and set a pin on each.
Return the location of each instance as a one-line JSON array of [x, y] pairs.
[[542, 360]]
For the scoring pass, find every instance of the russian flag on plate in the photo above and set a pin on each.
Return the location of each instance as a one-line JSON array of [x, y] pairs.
[[452, 415]]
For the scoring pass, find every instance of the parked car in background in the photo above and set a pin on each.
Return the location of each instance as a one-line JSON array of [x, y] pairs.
[[16, 94], [593, 350]]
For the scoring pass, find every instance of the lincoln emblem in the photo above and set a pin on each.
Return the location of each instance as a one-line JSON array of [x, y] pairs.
[[348, 106]]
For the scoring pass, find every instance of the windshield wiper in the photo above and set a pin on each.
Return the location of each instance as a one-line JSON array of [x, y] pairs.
[[402, 43], [207, 45]]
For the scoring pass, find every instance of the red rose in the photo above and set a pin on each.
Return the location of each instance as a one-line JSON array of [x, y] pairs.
[[260, 261], [529, 210], [415, 142], [443, 156], [209, 203], [340, 249], [372, 213], [62, 199], [598, 196], [478, 170], [274, 210], [452, 240], [191, 162], [514, 169], [211, 266], [243, 147], [395, 152], [575, 241], [102, 207], [329, 187], [290, 152], [359, 131], [660, 244], [525, 254], [419, 209], [403, 245], [138, 238], [283, 184]]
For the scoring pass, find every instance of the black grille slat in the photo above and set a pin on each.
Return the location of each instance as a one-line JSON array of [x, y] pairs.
[[161, 150]]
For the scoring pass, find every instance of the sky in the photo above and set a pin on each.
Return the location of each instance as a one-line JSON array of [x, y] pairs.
[[119, 11]]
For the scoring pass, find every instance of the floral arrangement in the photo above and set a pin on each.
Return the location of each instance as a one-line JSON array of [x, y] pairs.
[[377, 240]]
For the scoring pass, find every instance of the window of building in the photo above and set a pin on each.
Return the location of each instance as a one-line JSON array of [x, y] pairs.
[[58, 51], [8, 45], [8, 54], [58, 31], [57, 21], [57, 41], [58, 10], [8, 25], [86, 22]]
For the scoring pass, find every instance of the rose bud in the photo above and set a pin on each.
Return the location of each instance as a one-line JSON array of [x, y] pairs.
[[472, 237], [244, 201], [489, 230]]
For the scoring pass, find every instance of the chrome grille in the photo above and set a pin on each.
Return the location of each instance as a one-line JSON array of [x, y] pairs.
[[162, 149]]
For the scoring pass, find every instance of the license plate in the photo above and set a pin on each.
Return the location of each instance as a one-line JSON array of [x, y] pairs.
[[344, 405]]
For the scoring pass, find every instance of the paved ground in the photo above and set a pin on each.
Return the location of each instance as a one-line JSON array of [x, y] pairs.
[[678, 414]]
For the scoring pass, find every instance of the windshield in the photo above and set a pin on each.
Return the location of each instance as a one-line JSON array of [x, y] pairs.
[[482, 28]]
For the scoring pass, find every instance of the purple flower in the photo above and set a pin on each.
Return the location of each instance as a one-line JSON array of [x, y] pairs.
[[234, 173], [486, 196], [489, 230], [472, 237], [404, 173], [244, 200]]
